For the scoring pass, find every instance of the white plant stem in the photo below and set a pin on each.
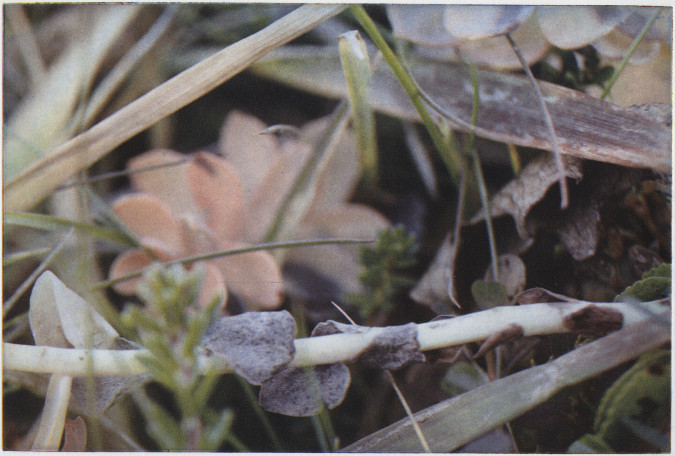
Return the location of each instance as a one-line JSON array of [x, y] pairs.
[[534, 319]]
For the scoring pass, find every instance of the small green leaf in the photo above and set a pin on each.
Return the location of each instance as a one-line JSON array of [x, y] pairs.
[[655, 284], [642, 393], [463, 376], [488, 294]]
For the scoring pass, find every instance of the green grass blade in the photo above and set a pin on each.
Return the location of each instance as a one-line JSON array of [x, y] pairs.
[[356, 68]]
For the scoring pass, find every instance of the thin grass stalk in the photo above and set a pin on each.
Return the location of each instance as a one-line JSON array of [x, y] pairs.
[[9, 304], [224, 253], [564, 198], [629, 53], [478, 171]]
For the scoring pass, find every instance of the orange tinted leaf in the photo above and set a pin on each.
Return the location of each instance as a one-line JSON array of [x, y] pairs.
[[148, 218], [167, 183], [255, 277], [217, 190], [126, 263], [246, 149]]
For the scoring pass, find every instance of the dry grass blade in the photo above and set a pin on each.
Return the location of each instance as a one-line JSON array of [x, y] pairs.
[[587, 127], [42, 177]]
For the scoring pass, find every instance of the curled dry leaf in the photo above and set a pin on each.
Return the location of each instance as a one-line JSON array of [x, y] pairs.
[[254, 344], [303, 392], [509, 334], [535, 295], [519, 196], [593, 320]]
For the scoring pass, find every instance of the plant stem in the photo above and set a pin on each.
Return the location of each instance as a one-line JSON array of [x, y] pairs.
[[408, 85], [564, 200], [224, 253], [535, 319], [636, 42]]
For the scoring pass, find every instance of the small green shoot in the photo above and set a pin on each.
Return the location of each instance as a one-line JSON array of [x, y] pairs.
[[170, 327], [383, 278]]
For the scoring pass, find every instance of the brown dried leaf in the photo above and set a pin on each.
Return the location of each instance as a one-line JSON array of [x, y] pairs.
[[254, 344], [508, 334], [578, 231], [74, 435], [594, 320], [303, 392], [519, 196], [436, 284], [537, 295]]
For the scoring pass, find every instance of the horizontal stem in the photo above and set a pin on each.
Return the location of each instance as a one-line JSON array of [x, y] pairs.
[[535, 319]]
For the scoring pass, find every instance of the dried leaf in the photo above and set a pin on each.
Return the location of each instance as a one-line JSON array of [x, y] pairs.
[[586, 126], [74, 435], [435, 285], [593, 320], [536, 295], [392, 349], [578, 231], [60, 318], [42, 119], [519, 196], [254, 344], [303, 392], [509, 334]]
